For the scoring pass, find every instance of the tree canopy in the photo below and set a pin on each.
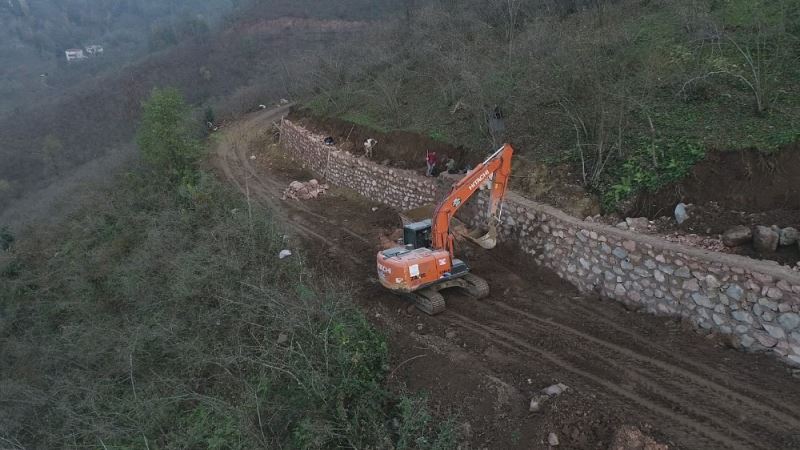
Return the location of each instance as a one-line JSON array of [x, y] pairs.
[[165, 136]]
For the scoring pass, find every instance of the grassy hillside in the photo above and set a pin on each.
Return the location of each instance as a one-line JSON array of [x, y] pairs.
[[160, 316], [631, 92]]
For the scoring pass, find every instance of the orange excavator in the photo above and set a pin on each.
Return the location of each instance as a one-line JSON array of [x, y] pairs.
[[425, 264]]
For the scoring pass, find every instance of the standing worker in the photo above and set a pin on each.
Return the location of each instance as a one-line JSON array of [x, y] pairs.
[[430, 160]]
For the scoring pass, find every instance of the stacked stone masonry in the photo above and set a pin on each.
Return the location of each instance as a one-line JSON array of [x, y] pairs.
[[757, 302], [398, 188]]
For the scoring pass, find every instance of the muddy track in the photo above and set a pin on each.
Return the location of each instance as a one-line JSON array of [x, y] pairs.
[[694, 434], [648, 382], [722, 376], [697, 394], [660, 367]]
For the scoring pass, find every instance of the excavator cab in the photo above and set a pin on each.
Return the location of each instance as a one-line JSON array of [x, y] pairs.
[[426, 264], [417, 234]]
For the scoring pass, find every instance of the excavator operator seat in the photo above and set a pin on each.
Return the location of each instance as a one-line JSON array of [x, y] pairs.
[[417, 234]]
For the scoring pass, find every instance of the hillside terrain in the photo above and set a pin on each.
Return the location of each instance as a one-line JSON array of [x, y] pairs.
[[630, 93], [35, 33], [249, 60], [629, 103], [159, 290], [489, 359], [159, 314]]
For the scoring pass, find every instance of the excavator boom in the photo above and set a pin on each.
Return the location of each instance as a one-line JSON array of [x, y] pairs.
[[425, 264], [493, 174]]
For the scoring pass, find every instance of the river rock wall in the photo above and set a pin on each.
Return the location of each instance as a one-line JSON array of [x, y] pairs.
[[755, 302], [398, 188]]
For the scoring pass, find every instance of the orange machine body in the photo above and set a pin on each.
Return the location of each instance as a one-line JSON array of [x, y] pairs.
[[427, 258], [407, 270]]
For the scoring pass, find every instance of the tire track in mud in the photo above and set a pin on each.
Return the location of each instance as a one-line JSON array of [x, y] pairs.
[[676, 372], [655, 385], [269, 187], [268, 191], [702, 436], [720, 374], [684, 396]]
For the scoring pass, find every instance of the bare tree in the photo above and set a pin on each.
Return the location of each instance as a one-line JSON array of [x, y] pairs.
[[756, 74], [594, 141], [754, 57]]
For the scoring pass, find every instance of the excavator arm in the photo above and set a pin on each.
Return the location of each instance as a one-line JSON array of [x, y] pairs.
[[494, 175]]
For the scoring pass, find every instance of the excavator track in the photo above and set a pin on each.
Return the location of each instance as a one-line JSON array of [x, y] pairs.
[[476, 286], [429, 301]]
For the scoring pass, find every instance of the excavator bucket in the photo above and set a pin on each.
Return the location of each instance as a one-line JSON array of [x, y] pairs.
[[484, 238]]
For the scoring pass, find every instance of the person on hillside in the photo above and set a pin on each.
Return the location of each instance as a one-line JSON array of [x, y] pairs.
[[430, 161]]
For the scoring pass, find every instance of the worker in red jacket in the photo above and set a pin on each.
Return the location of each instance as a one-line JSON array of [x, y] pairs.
[[431, 161]]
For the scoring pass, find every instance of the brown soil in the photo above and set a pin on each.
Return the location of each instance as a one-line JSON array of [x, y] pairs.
[[485, 360], [396, 148], [749, 182], [729, 189]]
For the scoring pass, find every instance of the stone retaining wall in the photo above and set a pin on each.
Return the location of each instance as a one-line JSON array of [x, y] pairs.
[[398, 188], [758, 302]]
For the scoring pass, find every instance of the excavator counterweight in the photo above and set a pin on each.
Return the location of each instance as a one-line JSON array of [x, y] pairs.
[[426, 264]]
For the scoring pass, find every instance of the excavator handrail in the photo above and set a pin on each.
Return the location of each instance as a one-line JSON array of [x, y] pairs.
[[493, 155]]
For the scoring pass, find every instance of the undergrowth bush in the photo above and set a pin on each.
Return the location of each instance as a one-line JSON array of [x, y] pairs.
[[642, 172], [162, 318]]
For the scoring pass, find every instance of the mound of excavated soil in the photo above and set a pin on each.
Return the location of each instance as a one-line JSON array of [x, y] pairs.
[[733, 188], [744, 181]]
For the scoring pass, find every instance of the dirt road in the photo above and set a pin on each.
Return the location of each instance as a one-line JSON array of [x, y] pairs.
[[485, 360]]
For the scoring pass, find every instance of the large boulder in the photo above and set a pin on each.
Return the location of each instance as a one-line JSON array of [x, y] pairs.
[[789, 236], [737, 236], [765, 239], [680, 213]]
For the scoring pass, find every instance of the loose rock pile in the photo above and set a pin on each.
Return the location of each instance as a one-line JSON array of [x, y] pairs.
[[304, 191], [705, 242], [764, 239]]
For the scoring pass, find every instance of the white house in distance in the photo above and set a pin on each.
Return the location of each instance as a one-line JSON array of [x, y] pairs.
[[77, 54], [74, 54], [94, 50]]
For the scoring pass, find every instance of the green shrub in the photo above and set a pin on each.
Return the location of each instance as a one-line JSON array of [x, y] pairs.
[[165, 136], [164, 318], [674, 160]]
